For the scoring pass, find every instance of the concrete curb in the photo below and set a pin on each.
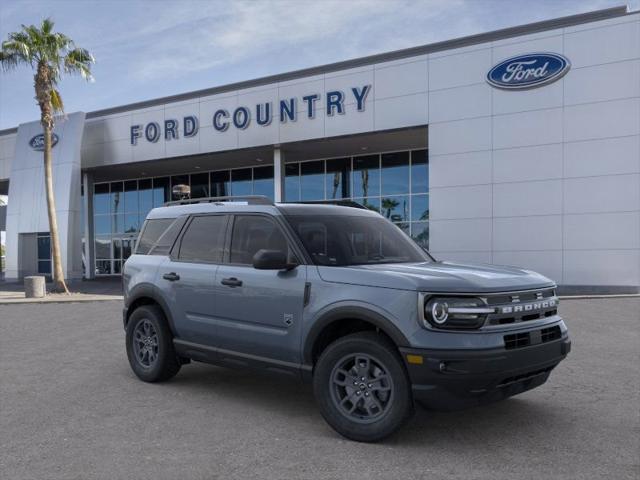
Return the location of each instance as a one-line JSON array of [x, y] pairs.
[[587, 297], [62, 299]]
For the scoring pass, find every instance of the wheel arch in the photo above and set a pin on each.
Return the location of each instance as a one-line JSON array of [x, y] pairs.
[[146, 294], [329, 324]]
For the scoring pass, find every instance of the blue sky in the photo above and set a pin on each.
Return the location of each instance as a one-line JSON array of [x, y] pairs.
[[149, 49]]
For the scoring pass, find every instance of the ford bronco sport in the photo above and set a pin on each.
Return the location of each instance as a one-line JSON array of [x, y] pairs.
[[338, 296]]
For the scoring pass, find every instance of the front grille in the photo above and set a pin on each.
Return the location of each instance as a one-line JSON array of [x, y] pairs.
[[516, 307], [520, 340]]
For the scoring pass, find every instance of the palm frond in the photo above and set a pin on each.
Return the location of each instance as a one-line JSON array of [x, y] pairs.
[[56, 101], [79, 61], [18, 45], [9, 61], [47, 26]]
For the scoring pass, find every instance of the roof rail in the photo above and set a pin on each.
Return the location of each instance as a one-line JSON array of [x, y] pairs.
[[250, 199], [341, 203]]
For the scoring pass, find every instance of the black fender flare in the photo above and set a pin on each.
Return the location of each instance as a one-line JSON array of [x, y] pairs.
[[147, 290], [351, 312]]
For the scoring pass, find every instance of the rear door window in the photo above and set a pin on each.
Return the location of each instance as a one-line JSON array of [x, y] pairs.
[[203, 240]]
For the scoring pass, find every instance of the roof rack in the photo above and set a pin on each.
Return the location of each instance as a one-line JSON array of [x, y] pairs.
[[341, 203], [250, 199]]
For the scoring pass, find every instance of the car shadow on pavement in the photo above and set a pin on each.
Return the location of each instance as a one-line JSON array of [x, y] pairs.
[[291, 401]]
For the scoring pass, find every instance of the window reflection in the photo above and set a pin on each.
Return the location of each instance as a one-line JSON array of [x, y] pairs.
[[199, 185], [312, 180], [395, 173], [263, 181], [241, 182], [420, 233], [394, 184], [131, 203], [366, 176], [338, 178], [419, 207], [220, 182], [395, 209], [117, 198], [160, 191], [419, 171], [101, 198], [292, 182]]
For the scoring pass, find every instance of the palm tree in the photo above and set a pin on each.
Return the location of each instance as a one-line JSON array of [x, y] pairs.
[[50, 55]]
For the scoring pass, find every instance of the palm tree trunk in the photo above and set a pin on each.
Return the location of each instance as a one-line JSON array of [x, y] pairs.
[[59, 284]]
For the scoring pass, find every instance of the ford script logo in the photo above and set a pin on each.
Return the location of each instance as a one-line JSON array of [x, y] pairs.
[[528, 71], [37, 142]]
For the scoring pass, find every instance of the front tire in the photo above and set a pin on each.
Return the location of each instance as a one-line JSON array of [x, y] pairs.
[[362, 388], [150, 345]]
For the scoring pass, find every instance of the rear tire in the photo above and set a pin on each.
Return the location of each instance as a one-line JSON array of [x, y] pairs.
[[150, 345], [362, 388]]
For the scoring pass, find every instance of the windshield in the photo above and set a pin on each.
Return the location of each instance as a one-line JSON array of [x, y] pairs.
[[355, 240]]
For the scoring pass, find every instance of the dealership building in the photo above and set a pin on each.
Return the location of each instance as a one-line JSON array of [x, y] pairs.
[[519, 147]]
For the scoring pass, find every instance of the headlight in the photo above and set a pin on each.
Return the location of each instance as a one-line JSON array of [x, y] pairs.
[[455, 312]]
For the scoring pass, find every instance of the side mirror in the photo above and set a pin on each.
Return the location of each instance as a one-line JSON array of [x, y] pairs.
[[271, 260]]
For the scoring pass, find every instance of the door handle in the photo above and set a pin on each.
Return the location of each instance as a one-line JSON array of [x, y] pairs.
[[231, 282], [172, 277]]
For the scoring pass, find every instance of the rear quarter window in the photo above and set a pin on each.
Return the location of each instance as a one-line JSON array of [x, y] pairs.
[[151, 232]]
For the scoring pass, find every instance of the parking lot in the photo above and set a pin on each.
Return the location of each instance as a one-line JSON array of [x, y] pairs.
[[70, 408]]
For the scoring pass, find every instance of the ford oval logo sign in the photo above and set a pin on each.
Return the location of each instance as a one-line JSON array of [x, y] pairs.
[[528, 71], [37, 142]]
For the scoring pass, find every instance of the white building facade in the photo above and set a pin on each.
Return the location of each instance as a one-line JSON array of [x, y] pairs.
[[481, 148]]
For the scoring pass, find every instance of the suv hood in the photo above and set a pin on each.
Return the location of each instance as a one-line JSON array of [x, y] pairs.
[[437, 277]]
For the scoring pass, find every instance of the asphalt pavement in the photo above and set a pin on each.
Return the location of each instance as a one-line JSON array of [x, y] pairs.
[[70, 408]]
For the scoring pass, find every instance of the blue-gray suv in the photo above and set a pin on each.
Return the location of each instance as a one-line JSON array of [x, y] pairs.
[[338, 296]]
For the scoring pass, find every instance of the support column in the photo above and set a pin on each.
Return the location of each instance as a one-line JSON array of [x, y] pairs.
[[278, 175], [87, 221]]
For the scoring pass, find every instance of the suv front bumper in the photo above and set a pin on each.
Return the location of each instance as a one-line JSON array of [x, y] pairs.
[[453, 379]]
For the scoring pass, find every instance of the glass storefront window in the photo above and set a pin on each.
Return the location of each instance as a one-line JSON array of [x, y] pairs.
[[420, 233], [220, 182], [131, 223], [241, 181], [419, 171], [145, 196], [117, 248], [131, 203], [338, 184], [312, 180], [102, 224], [394, 184], [199, 185], [292, 182], [263, 181], [117, 223], [395, 208], [117, 192], [419, 207], [101, 198], [160, 191], [366, 176], [395, 173], [370, 203], [103, 247], [103, 267]]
